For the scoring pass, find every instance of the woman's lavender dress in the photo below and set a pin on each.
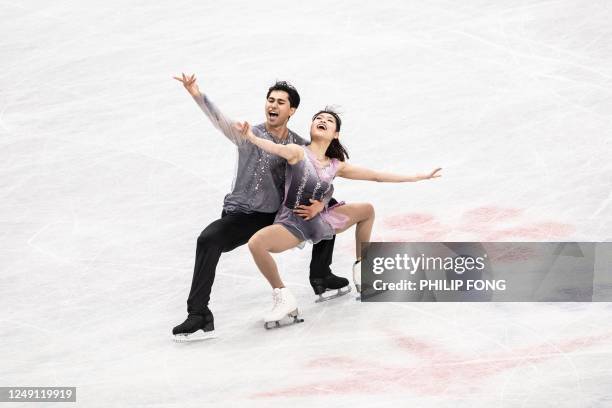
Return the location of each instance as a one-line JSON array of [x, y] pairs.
[[303, 181]]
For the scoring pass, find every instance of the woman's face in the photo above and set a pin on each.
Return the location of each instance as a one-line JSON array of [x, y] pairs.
[[324, 127]]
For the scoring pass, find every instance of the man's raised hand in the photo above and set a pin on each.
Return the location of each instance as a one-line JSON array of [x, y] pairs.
[[189, 82]]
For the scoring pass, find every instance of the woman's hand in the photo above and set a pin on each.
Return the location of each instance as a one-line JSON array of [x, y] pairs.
[[244, 129], [433, 174], [189, 82]]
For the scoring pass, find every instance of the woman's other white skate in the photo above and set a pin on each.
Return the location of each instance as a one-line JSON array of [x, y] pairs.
[[285, 306], [357, 278]]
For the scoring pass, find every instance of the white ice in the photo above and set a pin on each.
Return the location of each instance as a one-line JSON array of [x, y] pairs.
[[109, 172]]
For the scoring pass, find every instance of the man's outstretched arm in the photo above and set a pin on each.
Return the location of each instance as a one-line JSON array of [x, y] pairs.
[[217, 118]]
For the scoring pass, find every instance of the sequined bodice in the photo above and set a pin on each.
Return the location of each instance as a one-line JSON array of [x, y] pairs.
[[305, 181]]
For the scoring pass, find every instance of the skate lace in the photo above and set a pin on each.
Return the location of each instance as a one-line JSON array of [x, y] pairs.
[[277, 298]]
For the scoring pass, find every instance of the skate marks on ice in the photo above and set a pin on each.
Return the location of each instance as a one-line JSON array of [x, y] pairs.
[[426, 368], [486, 223]]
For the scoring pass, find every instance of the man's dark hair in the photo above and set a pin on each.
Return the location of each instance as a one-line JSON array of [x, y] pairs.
[[335, 150], [294, 96]]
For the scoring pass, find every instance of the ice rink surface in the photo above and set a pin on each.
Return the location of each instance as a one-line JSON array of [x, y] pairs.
[[109, 171]]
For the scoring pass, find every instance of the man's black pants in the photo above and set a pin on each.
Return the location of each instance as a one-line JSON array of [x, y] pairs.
[[230, 232]]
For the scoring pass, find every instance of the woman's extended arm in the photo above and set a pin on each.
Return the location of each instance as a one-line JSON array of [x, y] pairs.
[[291, 152], [359, 173]]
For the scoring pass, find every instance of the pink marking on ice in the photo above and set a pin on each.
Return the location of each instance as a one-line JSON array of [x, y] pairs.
[[342, 362], [402, 221], [440, 372], [485, 223], [400, 238], [434, 235], [415, 227], [541, 231], [487, 214], [421, 349]]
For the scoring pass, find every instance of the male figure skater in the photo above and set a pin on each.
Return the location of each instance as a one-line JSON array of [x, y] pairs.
[[252, 204]]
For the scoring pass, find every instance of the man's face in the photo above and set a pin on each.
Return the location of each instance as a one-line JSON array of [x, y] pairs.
[[324, 126], [278, 110]]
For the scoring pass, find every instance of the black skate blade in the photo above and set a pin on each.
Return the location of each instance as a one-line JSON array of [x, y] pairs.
[[199, 335], [338, 292], [288, 320]]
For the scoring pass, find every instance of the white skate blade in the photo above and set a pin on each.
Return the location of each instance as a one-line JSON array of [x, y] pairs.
[[289, 320], [199, 335], [334, 293], [368, 293]]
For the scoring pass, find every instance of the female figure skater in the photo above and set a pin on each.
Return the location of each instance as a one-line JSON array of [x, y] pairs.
[[309, 175]]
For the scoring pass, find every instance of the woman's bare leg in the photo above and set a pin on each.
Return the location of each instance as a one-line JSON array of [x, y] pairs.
[[361, 214], [272, 239]]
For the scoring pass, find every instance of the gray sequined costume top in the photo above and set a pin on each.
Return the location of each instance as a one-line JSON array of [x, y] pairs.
[[260, 176]]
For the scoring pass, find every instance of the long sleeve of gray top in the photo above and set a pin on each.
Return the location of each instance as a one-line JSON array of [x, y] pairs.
[[219, 120]]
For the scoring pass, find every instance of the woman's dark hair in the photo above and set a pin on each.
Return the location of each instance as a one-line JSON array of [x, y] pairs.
[[335, 149], [294, 96]]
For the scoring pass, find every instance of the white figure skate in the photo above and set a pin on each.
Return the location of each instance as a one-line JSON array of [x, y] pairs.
[[357, 278], [284, 306]]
